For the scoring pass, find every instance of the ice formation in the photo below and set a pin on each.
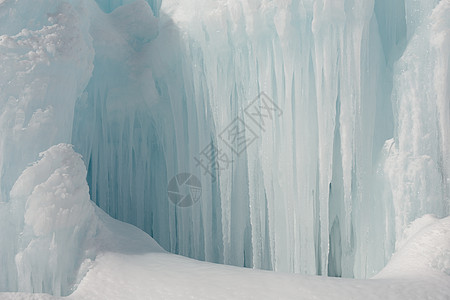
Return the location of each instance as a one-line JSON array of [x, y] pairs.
[[55, 222], [354, 147]]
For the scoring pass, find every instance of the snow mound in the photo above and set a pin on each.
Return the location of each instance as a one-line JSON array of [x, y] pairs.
[[424, 250], [52, 224], [415, 272], [59, 220], [56, 231]]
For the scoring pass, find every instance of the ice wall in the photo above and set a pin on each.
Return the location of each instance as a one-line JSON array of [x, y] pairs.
[[306, 184], [39, 42], [352, 147], [417, 164], [37, 46], [54, 223], [312, 193]]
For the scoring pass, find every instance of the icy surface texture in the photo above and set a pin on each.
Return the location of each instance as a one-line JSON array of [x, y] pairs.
[[357, 149], [316, 193], [423, 249], [418, 162], [110, 5], [54, 232], [51, 218], [417, 271], [40, 41], [53, 197]]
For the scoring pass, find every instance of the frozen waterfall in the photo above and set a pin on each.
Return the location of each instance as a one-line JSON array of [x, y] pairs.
[[319, 130]]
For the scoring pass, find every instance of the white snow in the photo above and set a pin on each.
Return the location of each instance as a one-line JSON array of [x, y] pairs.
[[419, 270]]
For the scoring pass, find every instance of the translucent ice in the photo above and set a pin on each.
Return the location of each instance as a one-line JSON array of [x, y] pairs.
[[353, 147]]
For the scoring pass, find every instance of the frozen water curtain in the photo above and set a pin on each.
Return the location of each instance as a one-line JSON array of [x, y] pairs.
[[299, 136]]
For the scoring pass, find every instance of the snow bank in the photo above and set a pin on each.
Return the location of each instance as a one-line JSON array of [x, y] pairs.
[[52, 223], [56, 232], [419, 270], [143, 274], [423, 252], [58, 223]]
